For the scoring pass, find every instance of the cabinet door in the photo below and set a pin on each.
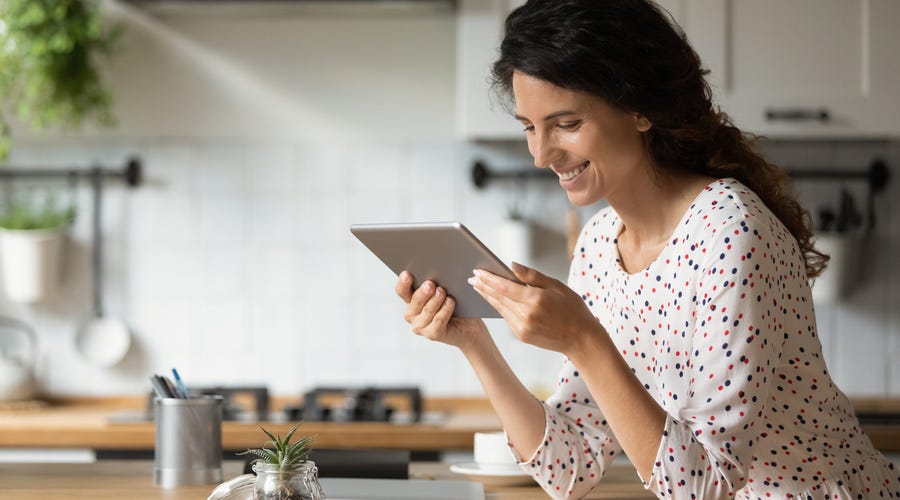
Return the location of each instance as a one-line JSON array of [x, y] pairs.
[[801, 67], [479, 27]]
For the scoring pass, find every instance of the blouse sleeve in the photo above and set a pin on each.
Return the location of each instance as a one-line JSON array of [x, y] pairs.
[[744, 283], [577, 445]]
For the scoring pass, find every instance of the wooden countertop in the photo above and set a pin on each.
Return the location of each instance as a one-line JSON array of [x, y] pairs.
[[132, 479], [91, 423], [85, 423]]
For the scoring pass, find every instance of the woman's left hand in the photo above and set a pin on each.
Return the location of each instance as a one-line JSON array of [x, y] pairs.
[[546, 313]]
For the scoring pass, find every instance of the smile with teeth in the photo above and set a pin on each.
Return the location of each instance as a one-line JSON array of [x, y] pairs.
[[571, 174]]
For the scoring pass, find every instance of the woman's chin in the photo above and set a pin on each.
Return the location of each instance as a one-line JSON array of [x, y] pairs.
[[580, 199]]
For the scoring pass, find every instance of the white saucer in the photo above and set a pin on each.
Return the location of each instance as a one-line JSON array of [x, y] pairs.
[[509, 477]]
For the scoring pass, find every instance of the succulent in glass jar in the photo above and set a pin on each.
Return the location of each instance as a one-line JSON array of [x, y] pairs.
[[283, 472]]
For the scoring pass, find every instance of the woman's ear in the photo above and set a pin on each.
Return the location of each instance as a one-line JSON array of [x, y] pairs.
[[641, 123]]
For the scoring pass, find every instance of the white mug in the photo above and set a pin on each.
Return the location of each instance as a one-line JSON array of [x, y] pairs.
[[492, 452]]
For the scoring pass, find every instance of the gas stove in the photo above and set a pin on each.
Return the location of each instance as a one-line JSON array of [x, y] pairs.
[[359, 404], [401, 405]]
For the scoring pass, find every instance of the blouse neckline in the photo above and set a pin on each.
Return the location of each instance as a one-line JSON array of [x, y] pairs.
[[685, 217]]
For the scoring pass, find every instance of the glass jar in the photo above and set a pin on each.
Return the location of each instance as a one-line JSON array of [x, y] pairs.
[[299, 483]]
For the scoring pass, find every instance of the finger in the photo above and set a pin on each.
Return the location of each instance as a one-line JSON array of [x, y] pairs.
[[495, 299], [530, 275], [433, 305], [418, 300], [404, 286], [424, 322], [499, 285], [444, 314]]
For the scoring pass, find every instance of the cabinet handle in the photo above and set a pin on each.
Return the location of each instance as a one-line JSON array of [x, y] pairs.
[[798, 115]]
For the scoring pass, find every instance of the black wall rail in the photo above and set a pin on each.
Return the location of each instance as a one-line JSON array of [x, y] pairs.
[[131, 173], [481, 174], [876, 177]]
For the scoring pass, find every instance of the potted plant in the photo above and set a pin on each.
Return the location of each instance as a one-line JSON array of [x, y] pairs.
[[840, 236], [33, 232], [48, 64], [283, 472]]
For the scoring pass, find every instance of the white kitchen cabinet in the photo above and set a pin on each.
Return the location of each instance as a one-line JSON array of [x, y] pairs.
[[479, 115], [801, 68], [797, 68]]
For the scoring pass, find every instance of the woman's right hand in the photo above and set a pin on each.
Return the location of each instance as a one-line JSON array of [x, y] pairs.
[[429, 311]]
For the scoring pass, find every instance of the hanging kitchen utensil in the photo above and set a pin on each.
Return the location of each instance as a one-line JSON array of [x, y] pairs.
[[826, 220], [849, 218], [515, 208], [104, 341]]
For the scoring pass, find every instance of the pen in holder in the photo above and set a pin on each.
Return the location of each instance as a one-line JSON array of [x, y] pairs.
[[188, 441]]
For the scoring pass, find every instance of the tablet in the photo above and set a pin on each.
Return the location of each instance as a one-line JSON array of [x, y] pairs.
[[443, 252]]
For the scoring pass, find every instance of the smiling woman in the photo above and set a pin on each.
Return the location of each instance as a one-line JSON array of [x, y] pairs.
[[687, 322], [590, 145]]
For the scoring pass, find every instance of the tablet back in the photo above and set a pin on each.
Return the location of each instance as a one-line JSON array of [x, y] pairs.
[[444, 252]]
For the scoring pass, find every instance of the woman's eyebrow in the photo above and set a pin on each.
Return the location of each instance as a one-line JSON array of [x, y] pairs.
[[555, 114]]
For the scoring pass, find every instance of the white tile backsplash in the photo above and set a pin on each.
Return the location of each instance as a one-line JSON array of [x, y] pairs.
[[273, 219], [272, 272], [272, 171]]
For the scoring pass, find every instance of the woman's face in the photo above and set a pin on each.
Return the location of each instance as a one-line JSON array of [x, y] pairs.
[[595, 149]]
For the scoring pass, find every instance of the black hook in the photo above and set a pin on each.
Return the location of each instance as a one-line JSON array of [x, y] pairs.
[[481, 174]]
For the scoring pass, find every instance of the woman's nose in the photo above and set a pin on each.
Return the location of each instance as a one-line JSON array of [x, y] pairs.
[[543, 151]]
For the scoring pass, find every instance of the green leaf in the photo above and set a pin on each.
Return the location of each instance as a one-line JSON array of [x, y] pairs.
[[290, 433], [285, 455], [32, 210], [49, 50], [265, 455]]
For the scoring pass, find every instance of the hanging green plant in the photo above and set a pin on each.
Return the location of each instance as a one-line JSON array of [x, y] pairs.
[[49, 51], [30, 211]]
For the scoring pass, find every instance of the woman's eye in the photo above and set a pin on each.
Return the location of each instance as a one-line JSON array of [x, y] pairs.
[[528, 128], [568, 125]]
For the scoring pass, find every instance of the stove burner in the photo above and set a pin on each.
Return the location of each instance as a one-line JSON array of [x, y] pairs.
[[366, 404], [231, 411]]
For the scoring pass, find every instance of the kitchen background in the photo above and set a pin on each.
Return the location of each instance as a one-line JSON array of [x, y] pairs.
[[263, 137]]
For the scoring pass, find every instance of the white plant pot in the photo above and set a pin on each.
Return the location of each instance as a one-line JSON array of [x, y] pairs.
[[514, 237], [31, 263], [842, 272]]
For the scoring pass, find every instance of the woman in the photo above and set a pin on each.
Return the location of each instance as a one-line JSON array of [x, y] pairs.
[[687, 323]]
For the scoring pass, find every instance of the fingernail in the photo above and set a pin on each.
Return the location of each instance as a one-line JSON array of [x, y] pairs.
[[404, 275], [426, 286], [476, 272], [472, 281]]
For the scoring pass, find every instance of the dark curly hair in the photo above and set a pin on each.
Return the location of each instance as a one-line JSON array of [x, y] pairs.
[[631, 54]]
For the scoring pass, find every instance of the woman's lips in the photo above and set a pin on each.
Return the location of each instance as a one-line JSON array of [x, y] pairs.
[[571, 174]]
